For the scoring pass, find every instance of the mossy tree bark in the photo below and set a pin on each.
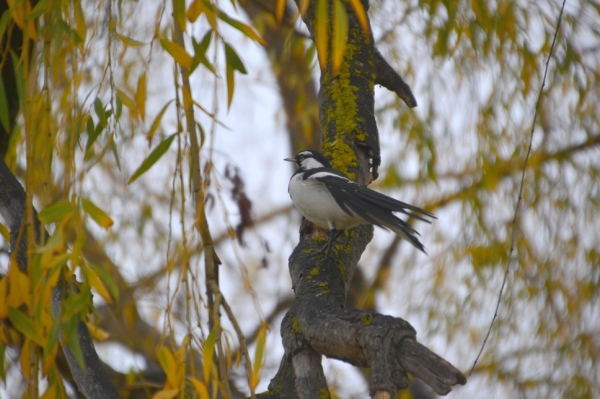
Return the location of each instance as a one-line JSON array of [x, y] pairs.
[[318, 323]]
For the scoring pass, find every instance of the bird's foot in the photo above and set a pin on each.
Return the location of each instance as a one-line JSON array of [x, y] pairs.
[[333, 235]]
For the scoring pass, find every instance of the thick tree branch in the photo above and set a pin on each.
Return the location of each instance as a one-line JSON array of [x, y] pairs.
[[317, 322], [391, 80]]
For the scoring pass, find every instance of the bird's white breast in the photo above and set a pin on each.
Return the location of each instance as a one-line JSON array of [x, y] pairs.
[[315, 203]]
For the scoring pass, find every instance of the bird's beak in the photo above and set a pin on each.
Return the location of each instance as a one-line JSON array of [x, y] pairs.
[[290, 159]]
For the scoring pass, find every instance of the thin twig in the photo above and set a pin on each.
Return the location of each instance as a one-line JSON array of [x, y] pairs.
[[238, 331], [514, 221]]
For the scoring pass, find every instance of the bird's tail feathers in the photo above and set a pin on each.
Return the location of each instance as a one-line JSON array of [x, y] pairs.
[[403, 229]]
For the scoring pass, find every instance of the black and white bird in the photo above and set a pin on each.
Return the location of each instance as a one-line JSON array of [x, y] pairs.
[[329, 199]]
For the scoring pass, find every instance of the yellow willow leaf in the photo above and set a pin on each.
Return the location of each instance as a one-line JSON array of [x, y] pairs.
[[3, 301], [200, 388], [127, 101], [25, 359], [94, 281], [169, 365], [195, 9], [51, 391], [97, 214], [258, 357], [140, 96], [303, 6], [107, 280], [279, 10], [80, 25], [4, 233], [18, 13], [177, 52], [361, 15], [166, 394], [183, 349], [211, 16], [129, 41], [96, 332], [340, 34], [18, 284], [321, 36], [156, 123]]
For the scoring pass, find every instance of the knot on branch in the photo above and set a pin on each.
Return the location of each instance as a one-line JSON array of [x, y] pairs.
[[380, 336]]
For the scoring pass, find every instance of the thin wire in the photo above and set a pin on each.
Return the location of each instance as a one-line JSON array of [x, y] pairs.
[[519, 200]]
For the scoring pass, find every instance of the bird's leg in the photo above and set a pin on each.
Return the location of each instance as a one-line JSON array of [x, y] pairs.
[[333, 235]]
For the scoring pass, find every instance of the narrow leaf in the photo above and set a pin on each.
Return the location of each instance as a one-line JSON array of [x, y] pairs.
[[80, 25], [303, 6], [209, 350], [99, 108], [233, 64], [233, 59], [177, 52], [94, 281], [156, 123], [242, 27], [73, 342], [340, 34], [97, 214], [361, 15], [200, 388], [3, 107], [19, 79], [258, 358], [200, 53], [280, 10], [96, 332], [3, 370], [166, 394], [38, 10], [152, 158], [195, 10], [4, 233], [55, 212], [129, 41], [140, 96], [24, 325], [321, 37], [107, 280], [168, 364], [127, 101]]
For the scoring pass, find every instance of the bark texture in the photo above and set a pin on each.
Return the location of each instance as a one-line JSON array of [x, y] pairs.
[[317, 322]]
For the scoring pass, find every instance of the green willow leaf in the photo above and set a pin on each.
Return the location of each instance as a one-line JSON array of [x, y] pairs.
[[55, 212], [152, 158], [97, 214], [233, 64], [25, 326]]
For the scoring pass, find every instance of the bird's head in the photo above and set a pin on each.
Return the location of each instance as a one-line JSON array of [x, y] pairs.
[[309, 159]]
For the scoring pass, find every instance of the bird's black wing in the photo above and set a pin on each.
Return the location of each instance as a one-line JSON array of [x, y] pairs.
[[373, 207], [346, 191]]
